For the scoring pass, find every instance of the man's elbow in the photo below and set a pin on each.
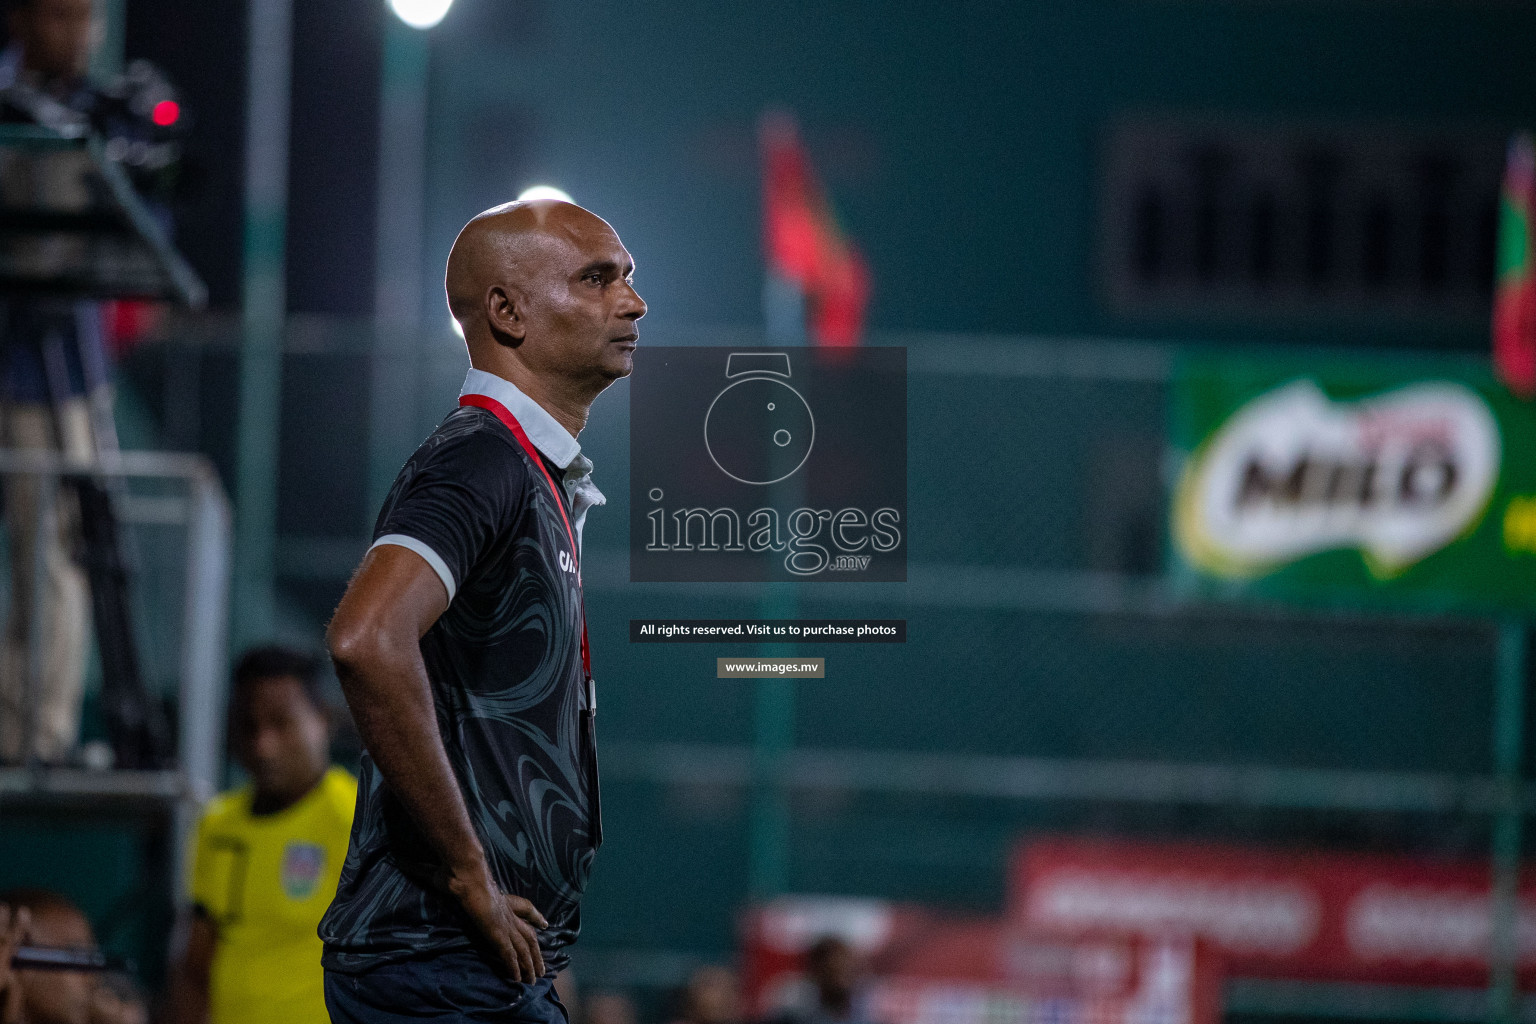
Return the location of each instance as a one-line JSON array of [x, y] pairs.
[[357, 646]]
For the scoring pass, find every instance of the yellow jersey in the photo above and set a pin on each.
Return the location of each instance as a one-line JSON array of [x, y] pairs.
[[265, 880]]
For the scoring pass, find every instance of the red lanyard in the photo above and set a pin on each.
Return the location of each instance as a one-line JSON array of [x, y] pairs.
[[501, 412]]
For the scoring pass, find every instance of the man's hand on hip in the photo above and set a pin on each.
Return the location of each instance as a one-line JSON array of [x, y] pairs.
[[507, 923]]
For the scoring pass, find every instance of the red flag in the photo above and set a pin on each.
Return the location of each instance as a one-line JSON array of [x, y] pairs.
[[1514, 297], [803, 240]]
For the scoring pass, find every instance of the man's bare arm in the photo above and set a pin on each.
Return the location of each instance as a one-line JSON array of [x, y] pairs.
[[375, 641], [190, 978]]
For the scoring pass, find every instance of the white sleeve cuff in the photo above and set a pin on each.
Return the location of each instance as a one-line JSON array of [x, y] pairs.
[[431, 557]]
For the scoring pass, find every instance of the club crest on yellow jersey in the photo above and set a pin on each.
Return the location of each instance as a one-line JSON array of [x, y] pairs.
[[303, 864]]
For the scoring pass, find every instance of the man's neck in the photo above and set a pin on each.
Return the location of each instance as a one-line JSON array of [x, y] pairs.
[[265, 803], [567, 405]]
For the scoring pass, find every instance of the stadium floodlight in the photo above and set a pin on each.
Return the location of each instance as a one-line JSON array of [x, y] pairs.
[[421, 14], [544, 192]]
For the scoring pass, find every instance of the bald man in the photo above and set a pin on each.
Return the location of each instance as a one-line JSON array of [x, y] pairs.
[[461, 648]]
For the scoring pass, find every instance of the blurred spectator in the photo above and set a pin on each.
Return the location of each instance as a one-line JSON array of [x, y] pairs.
[[54, 389], [712, 996], [608, 1008], [835, 974], [268, 856], [50, 49], [38, 917]]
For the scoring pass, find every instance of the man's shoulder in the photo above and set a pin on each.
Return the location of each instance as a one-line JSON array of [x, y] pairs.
[[473, 437], [340, 792], [472, 426], [471, 452], [228, 811]]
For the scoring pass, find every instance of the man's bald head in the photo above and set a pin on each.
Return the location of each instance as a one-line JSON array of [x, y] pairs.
[[505, 246], [543, 293]]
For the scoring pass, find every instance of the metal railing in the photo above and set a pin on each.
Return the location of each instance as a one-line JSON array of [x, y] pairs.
[[202, 510]]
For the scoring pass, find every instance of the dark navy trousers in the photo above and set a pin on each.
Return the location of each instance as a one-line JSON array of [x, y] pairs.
[[450, 988]]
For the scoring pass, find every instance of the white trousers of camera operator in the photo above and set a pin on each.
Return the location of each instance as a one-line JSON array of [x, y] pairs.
[[58, 604]]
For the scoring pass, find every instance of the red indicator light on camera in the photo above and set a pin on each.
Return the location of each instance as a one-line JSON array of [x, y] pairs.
[[165, 113]]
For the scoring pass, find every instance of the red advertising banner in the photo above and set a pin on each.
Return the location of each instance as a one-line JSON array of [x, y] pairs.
[[931, 969], [1276, 914]]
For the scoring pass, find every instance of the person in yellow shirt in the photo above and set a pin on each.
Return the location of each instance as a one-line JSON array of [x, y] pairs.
[[268, 856]]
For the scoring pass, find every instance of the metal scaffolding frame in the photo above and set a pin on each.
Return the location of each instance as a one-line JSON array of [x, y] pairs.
[[171, 795]]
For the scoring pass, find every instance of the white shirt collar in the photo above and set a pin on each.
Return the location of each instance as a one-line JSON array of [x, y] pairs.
[[546, 433], [548, 436]]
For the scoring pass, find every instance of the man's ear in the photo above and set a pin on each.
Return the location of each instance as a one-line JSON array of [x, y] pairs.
[[504, 311]]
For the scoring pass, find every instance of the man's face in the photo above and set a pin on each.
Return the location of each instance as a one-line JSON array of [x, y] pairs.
[[58, 997], [281, 738], [57, 36], [581, 308]]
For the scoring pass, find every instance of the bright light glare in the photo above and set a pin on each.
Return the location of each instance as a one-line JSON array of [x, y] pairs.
[[458, 328], [420, 13], [544, 192]]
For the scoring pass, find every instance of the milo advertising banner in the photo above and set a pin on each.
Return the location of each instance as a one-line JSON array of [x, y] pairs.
[[1356, 483]]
